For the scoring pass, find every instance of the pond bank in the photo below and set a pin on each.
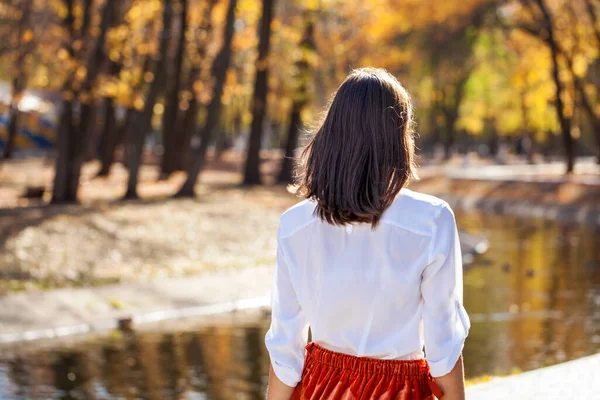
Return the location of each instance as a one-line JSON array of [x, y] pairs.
[[63, 312], [539, 191]]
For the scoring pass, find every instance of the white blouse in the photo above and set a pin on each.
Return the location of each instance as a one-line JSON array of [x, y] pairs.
[[383, 293]]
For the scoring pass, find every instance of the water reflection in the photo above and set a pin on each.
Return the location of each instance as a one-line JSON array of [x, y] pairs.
[[534, 296], [534, 300]]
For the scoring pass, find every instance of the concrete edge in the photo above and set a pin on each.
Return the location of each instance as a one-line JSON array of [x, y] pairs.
[[137, 319]]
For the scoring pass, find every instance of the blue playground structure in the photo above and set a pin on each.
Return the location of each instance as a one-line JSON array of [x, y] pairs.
[[35, 131]]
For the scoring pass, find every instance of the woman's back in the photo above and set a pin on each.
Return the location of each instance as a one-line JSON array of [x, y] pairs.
[[360, 290]]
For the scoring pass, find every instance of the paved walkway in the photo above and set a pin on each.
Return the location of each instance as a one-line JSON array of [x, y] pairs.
[[62, 312], [578, 379], [587, 172]]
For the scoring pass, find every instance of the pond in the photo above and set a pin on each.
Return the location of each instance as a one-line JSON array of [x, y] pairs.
[[533, 297]]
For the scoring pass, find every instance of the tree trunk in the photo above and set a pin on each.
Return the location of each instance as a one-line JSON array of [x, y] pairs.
[[586, 102], [169, 123], [188, 118], [219, 72], [287, 165], [450, 116], [594, 18], [65, 157], [221, 144], [565, 122], [527, 131], [301, 98], [186, 130], [494, 138], [65, 136], [259, 102], [88, 106], [143, 119], [589, 108], [18, 83], [109, 137]]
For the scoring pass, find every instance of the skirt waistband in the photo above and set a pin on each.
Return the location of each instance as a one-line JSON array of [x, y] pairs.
[[365, 365]]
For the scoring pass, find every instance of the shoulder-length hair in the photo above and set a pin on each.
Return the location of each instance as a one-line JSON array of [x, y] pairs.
[[362, 153]]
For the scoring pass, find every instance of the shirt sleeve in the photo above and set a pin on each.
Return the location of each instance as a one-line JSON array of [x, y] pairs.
[[288, 334], [445, 321]]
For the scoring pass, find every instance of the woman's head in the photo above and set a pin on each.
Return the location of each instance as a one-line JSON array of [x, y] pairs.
[[362, 154]]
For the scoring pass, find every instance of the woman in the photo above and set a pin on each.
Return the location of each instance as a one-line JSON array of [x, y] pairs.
[[372, 268]]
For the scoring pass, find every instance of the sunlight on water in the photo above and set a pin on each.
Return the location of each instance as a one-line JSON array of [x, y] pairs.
[[533, 297]]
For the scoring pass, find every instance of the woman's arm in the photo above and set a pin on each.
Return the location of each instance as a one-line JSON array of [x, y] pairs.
[[445, 321], [278, 390], [453, 383]]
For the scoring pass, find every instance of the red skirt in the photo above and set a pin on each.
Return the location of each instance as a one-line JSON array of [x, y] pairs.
[[336, 376]]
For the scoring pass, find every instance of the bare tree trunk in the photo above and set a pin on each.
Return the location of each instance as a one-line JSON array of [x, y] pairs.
[[169, 123], [565, 122], [143, 120], [259, 102], [219, 71]]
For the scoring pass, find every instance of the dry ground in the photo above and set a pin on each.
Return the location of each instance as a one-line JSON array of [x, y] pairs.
[[104, 240]]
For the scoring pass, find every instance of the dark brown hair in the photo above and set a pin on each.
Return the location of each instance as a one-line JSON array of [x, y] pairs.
[[362, 153]]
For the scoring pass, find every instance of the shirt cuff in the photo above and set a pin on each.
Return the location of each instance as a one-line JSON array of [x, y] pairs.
[[444, 366], [286, 374]]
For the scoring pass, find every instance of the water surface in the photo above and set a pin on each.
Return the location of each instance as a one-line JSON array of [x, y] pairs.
[[534, 300]]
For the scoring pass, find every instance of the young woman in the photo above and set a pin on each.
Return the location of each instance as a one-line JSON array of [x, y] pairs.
[[372, 268]]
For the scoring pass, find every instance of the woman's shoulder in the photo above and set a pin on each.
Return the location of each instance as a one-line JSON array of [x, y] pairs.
[[297, 217], [416, 211], [425, 202]]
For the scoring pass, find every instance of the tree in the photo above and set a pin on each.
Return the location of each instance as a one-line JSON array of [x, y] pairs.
[[593, 112], [219, 71], [565, 122], [169, 123], [61, 192], [259, 101], [542, 26], [112, 134], [305, 66], [186, 121], [22, 48], [142, 122], [73, 134]]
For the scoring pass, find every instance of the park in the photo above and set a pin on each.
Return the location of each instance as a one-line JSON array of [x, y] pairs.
[[148, 151]]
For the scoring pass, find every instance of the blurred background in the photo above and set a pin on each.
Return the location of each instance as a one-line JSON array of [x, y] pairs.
[[149, 141]]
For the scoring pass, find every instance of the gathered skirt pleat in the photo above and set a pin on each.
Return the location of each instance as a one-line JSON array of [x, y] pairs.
[[328, 375]]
